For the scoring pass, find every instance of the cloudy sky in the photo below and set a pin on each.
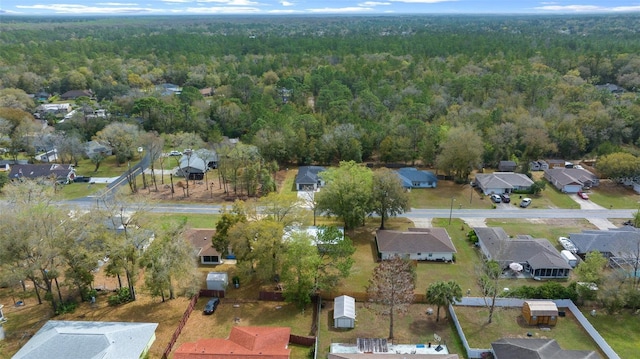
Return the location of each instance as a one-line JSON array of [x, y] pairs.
[[284, 7]]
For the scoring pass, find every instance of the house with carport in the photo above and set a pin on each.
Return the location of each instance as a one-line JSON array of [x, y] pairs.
[[502, 182], [538, 257], [423, 244]]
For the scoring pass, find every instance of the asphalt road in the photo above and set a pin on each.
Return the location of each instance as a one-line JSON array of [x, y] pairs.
[[183, 208]]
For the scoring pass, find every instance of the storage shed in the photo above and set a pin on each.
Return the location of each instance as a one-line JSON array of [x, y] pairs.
[[344, 312], [540, 312], [217, 280]]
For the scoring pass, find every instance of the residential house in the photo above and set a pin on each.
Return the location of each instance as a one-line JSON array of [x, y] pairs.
[[207, 91], [200, 238], [191, 166], [556, 163], [62, 173], [540, 312], [507, 166], [425, 244], [48, 156], [242, 343], [622, 242], [54, 108], [571, 180], [534, 348], [168, 89], [344, 312], [308, 178], [502, 182], [93, 148], [611, 88], [538, 165], [74, 94], [79, 339], [538, 257], [413, 178]]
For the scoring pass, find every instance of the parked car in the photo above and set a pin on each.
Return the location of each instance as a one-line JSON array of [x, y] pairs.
[[175, 153], [505, 198], [495, 198], [583, 195], [211, 305], [525, 202]]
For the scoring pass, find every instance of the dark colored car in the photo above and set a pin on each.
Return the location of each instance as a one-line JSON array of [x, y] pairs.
[[505, 198], [211, 305]]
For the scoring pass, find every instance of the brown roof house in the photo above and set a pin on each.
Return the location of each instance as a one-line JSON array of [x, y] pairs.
[[538, 257], [74, 94], [243, 343], [533, 348], [201, 240], [423, 244], [571, 180], [537, 312]]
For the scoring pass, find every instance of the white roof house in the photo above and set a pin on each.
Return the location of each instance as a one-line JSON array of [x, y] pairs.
[[89, 340], [344, 312]]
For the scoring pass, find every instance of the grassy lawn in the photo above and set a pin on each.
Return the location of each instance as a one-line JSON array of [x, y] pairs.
[[509, 323], [414, 327], [621, 331], [155, 220], [80, 189], [108, 167], [464, 196], [549, 228], [611, 195]]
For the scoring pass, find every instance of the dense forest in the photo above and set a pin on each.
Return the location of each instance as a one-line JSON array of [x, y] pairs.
[[454, 92]]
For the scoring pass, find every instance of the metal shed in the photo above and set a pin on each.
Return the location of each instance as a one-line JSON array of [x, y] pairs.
[[217, 280], [344, 312]]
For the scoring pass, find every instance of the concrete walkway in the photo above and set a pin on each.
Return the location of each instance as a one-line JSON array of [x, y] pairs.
[[601, 223]]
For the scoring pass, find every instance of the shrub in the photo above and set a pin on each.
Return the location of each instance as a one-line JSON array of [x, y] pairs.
[[121, 296], [67, 307]]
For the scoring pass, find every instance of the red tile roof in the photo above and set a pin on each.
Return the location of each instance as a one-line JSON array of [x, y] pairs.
[[243, 343]]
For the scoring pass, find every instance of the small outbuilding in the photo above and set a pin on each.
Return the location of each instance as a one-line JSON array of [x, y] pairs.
[[217, 280], [538, 312], [344, 312]]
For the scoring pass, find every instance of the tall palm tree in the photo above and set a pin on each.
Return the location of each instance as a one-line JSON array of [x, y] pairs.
[[442, 294]]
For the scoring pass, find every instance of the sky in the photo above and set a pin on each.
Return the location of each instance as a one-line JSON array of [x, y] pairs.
[[311, 7]]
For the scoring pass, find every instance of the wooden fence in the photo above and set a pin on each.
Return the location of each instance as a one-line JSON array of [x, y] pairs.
[[212, 293], [364, 297], [302, 340], [181, 324], [272, 296]]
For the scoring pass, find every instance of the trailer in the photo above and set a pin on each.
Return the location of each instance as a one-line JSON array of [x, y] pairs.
[[570, 258]]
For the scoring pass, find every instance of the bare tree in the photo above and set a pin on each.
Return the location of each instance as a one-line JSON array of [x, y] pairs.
[[392, 287], [488, 282], [154, 145]]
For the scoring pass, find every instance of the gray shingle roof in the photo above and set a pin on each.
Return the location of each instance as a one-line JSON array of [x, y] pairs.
[[509, 348], [508, 180], [619, 242], [89, 340], [567, 176], [538, 252], [308, 174], [415, 240], [408, 175]]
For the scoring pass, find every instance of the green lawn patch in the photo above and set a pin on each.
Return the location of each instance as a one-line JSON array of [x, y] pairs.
[[464, 196], [414, 327], [509, 323], [612, 195], [155, 220], [621, 331], [550, 229]]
